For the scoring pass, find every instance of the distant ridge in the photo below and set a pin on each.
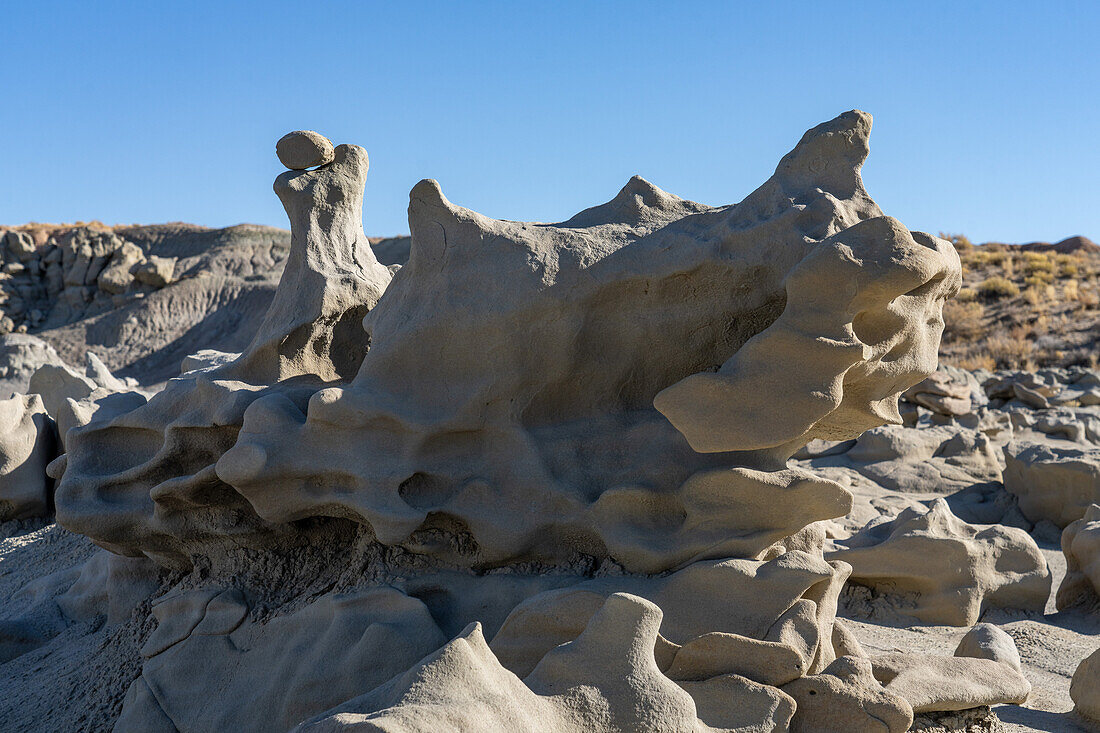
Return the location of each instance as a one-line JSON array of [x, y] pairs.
[[1069, 245]]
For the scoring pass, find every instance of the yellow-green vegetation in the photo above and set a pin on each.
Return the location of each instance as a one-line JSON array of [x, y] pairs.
[[998, 287], [1023, 308]]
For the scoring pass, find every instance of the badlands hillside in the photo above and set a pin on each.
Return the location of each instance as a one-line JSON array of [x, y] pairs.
[[780, 465], [141, 298]]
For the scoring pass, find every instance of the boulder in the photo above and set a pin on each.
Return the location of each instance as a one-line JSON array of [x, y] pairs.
[[303, 149], [987, 641], [1055, 482], [28, 442], [1084, 688], [20, 244], [846, 697], [942, 570], [932, 684], [946, 392], [1081, 547], [157, 271], [118, 275], [20, 356]]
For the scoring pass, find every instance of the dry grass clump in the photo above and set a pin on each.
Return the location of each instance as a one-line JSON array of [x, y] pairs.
[[963, 320], [1068, 266], [1034, 295], [966, 295], [998, 287]]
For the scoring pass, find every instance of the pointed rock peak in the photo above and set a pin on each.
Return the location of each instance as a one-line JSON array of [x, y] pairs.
[[830, 156], [639, 201], [638, 186], [428, 193]]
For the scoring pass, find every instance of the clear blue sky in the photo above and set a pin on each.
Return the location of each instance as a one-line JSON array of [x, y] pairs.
[[987, 114]]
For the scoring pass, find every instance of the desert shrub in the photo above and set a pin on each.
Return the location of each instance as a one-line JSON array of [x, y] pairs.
[[1034, 261], [962, 320], [1068, 266], [977, 361], [966, 295], [1033, 295], [960, 241], [1071, 290], [998, 287], [975, 257], [1011, 351], [1039, 279]]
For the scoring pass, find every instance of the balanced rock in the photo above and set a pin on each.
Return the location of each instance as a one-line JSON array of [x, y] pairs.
[[303, 149], [310, 335]]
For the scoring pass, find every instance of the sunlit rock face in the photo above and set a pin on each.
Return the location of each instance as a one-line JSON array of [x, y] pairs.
[[569, 438], [143, 482], [623, 385], [508, 397]]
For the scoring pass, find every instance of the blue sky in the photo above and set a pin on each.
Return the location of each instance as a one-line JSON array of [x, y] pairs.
[[987, 115]]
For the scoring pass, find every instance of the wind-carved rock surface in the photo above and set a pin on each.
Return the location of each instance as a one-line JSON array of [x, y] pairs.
[[144, 481], [548, 446], [945, 571], [28, 442], [1081, 547], [571, 439]]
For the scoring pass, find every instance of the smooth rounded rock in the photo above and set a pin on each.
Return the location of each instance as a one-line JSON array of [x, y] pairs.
[[1084, 689], [303, 149], [986, 641]]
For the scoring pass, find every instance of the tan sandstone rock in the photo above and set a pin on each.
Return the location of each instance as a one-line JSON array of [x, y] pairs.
[[567, 413], [986, 641], [157, 271], [1085, 688], [846, 697], [303, 149], [310, 335], [931, 683], [948, 571], [280, 672], [527, 435], [1053, 482], [28, 441], [1081, 547]]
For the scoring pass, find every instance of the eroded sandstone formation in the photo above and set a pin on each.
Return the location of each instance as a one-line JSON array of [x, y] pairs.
[[539, 478]]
